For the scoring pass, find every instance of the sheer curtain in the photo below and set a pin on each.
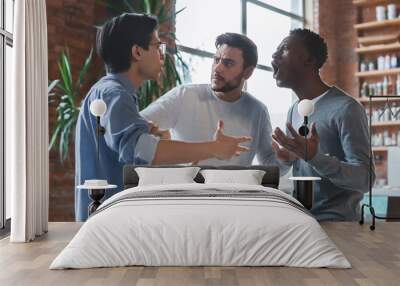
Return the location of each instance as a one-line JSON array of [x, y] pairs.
[[27, 124]]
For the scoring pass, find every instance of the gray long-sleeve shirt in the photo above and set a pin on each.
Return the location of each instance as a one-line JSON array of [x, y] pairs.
[[342, 160]]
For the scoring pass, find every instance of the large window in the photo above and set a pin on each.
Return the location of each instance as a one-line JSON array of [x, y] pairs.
[[6, 44], [266, 22]]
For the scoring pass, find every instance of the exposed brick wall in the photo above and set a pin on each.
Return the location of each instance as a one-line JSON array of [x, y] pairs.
[[334, 21], [71, 23], [325, 26]]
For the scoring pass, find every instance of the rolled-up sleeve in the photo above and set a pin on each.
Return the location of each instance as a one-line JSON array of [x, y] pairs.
[[146, 147], [127, 132]]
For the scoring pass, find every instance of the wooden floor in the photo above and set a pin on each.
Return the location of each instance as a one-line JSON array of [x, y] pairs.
[[375, 257]]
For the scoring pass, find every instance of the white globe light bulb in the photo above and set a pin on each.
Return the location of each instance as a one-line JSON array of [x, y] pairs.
[[305, 107], [98, 107]]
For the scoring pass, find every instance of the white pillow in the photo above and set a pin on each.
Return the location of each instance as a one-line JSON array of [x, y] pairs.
[[163, 176], [248, 177]]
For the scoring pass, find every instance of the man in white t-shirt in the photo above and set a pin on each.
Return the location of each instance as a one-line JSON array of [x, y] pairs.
[[191, 112]]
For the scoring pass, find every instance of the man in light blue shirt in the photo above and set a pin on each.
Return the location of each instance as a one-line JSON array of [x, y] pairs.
[[338, 146], [130, 48], [191, 111]]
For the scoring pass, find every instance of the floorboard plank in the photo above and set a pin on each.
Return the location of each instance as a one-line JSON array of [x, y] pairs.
[[374, 255]]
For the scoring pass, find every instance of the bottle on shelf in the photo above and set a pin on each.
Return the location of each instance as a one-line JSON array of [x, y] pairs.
[[387, 61], [391, 11], [390, 88], [371, 66], [393, 61], [380, 64], [385, 84], [395, 111], [398, 137], [378, 89], [363, 66], [398, 85], [376, 117], [364, 89], [374, 139], [370, 90], [385, 138], [388, 115], [380, 13]]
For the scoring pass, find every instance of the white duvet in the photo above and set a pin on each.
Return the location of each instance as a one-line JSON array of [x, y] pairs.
[[183, 231]]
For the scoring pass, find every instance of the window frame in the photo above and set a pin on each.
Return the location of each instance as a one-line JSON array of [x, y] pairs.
[[292, 16], [6, 39]]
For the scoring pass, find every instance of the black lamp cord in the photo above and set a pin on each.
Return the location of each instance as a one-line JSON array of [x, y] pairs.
[[100, 130], [305, 137], [303, 131]]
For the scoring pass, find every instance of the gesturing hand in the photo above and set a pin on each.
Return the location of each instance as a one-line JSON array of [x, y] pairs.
[[153, 129], [282, 153], [297, 144], [228, 146]]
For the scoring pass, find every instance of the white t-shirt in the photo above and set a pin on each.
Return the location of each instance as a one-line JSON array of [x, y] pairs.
[[192, 112]]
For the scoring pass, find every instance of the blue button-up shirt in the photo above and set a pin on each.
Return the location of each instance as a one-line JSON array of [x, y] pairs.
[[126, 139]]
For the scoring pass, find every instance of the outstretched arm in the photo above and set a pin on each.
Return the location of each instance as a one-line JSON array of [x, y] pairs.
[[223, 147]]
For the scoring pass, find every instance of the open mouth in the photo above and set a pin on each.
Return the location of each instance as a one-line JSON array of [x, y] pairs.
[[275, 68]]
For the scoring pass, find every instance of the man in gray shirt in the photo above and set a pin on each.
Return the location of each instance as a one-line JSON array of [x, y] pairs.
[[338, 148], [192, 111]]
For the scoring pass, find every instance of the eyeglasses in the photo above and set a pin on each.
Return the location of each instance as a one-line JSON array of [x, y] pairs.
[[162, 47]]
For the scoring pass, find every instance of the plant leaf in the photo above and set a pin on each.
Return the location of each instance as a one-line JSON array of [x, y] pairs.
[[146, 7], [67, 111], [54, 136], [52, 85], [83, 72]]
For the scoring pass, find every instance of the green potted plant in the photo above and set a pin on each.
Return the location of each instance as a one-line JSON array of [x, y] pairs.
[[65, 93]]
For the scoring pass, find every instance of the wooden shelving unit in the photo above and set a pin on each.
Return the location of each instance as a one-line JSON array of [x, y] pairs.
[[370, 2], [379, 149], [380, 100], [377, 24], [379, 48], [378, 73], [376, 39], [386, 124]]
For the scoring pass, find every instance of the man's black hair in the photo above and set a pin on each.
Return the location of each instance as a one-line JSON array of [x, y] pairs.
[[116, 37], [314, 43], [247, 46]]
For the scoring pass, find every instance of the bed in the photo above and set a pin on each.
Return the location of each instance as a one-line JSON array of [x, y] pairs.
[[201, 224]]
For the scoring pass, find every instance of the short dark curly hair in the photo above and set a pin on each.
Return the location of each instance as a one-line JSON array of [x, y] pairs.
[[314, 43]]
